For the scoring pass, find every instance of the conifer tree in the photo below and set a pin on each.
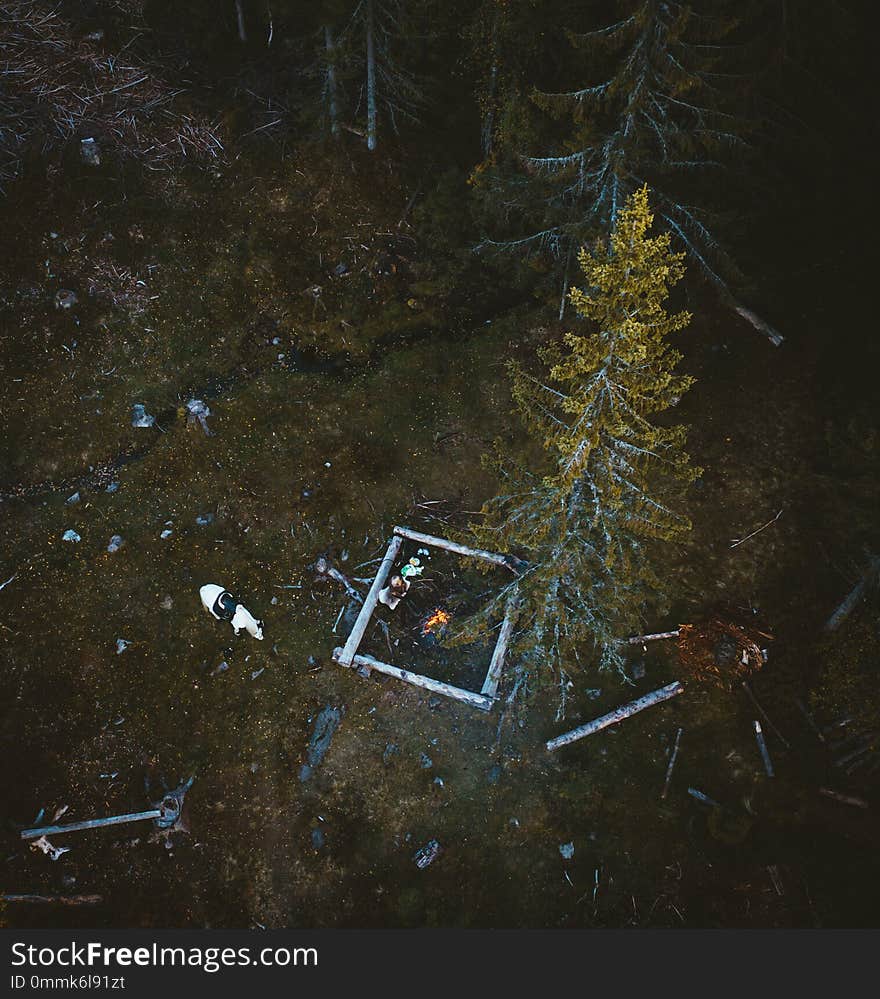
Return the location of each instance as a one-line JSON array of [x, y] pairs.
[[613, 477], [657, 115]]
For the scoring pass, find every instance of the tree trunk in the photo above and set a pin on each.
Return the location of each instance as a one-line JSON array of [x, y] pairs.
[[332, 96], [371, 78]]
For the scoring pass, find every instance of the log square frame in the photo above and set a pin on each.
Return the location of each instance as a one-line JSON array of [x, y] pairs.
[[348, 655]]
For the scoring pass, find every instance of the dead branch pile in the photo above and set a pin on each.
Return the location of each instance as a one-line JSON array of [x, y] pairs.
[[720, 651], [57, 84]]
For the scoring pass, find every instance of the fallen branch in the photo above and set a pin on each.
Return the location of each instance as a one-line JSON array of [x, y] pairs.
[[656, 637], [619, 714], [324, 567], [739, 541], [51, 899], [853, 597], [766, 717], [845, 798], [671, 763], [8, 581]]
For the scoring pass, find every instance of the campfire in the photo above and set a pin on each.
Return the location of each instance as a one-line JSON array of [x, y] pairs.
[[436, 622]]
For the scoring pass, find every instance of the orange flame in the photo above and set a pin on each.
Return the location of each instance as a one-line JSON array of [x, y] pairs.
[[439, 619]]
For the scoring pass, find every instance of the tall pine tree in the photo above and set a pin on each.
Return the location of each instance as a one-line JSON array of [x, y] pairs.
[[652, 106], [613, 480]]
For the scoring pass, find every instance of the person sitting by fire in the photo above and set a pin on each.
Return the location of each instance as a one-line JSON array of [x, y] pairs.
[[399, 585]]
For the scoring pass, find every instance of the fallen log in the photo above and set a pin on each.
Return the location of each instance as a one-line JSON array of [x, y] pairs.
[[490, 684], [324, 567], [672, 759], [762, 746], [113, 820], [369, 605], [7, 896], [619, 714], [853, 597], [706, 800], [638, 639], [845, 798], [508, 561], [417, 680]]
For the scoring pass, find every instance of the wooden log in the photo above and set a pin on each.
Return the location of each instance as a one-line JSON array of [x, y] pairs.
[[672, 759], [613, 717], [369, 605], [853, 597], [762, 746], [845, 798], [694, 793], [493, 676], [765, 716], [638, 639], [508, 561], [7, 896], [113, 820], [435, 686]]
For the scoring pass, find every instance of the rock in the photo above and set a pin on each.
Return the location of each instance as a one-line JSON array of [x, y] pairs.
[[494, 774], [166, 533], [140, 417], [425, 762], [112, 487], [116, 542], [72, 499], [204, 519], [89, 152], [121, 646], [438, 781], [340, 270], [427, 854], [220, 669], [317, 837], [167, 602], [567, 850], [390, 750], [594, 693], [65, 299], [70, 535], [638, 670]]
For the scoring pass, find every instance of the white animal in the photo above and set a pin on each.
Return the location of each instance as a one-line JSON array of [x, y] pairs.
[[222, 605]]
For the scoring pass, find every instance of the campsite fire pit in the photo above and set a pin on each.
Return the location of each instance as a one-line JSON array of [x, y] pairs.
[[436, 623]]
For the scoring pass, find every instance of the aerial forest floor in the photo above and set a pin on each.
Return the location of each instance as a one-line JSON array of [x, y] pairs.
[[355, 377]]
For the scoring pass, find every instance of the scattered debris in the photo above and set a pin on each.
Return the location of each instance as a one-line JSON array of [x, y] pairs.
[[720, 650], [427, 854], [325, 726], [257, 672], [204, 519], [567, 850], [121, 646], [323, 567], [53, 852], [197, 410], [70, 535], [140, 417], [220, 669]]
